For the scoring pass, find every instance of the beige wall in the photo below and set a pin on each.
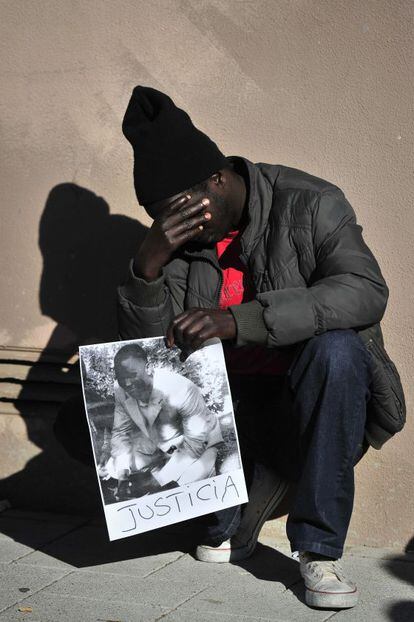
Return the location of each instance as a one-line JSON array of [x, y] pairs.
[[321, 85]]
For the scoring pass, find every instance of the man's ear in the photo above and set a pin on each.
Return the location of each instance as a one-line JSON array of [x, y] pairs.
[[220, 178]]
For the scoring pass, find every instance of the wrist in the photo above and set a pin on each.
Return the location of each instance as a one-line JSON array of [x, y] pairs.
[[145, 271]]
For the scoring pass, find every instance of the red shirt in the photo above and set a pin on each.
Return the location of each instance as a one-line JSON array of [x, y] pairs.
[[238, 288]]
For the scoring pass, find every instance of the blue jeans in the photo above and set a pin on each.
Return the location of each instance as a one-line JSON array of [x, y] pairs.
[[308, 425]]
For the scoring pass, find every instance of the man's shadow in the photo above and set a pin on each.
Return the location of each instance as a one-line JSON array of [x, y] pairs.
[[86, 252]]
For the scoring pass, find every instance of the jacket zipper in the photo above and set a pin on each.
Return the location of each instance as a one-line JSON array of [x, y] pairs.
[[216, 301]]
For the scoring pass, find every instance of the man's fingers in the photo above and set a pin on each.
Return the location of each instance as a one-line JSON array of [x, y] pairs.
[[179, 202], [184, 223], [184, 201], [188, 235], [190, 333], [205, 333], [194, 326], [182, 327], [170, 330], [185, 212], [189, 224], [186, 329], [179, 323]]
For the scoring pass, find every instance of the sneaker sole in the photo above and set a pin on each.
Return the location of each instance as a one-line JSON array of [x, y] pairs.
[[238, 553], [331, 600], [215, 555]]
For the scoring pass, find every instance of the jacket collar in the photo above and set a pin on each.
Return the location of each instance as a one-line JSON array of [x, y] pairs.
[[259, 201]]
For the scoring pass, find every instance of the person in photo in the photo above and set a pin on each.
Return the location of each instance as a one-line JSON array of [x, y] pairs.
[[269, 259], [163, 433]]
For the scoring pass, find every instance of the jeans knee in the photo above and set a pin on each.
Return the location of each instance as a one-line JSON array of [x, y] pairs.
[[342, 350]]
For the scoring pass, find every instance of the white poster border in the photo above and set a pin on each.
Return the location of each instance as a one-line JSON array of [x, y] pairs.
[[231, 484]]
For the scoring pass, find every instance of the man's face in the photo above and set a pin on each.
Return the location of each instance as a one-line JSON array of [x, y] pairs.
[[132, 376], [214, 229]]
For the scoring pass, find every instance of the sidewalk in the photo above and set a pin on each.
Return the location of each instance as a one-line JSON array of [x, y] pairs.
[[63, 569]]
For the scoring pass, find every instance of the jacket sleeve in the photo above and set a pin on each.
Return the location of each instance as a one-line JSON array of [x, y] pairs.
[[197, 424], [145, 309], [346, 290]]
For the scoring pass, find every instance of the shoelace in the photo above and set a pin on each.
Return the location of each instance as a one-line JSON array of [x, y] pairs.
[[330, 566], [321, 567]]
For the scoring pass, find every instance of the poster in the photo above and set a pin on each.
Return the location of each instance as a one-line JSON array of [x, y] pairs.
[[162, 431]]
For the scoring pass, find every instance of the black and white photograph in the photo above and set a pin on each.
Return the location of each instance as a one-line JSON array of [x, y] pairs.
[[162, 431]]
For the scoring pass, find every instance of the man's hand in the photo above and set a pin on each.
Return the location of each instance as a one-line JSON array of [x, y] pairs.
[[189, 329], [178, 223]]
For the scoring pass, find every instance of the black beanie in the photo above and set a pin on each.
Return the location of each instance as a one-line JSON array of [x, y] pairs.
[[170, 153]]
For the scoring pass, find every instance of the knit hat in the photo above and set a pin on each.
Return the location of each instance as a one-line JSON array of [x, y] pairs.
[[170, 153]]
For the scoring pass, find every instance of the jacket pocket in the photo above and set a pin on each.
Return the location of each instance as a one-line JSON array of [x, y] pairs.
[[386, 410]]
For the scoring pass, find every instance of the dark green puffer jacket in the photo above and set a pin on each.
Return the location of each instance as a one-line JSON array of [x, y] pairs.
[[312, 272]]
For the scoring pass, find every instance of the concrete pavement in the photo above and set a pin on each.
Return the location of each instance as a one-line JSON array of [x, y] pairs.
[[57, 568]]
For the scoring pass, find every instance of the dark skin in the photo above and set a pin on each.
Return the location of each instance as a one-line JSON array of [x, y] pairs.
[[193, 220]]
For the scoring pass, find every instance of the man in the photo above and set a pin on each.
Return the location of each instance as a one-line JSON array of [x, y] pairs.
[[163, 430], [270, 260]]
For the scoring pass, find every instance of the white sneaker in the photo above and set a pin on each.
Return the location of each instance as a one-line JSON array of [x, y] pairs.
[[326, 584], [265, 494]]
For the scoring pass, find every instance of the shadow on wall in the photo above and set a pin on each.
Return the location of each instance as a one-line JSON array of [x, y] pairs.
[[86, 252]]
